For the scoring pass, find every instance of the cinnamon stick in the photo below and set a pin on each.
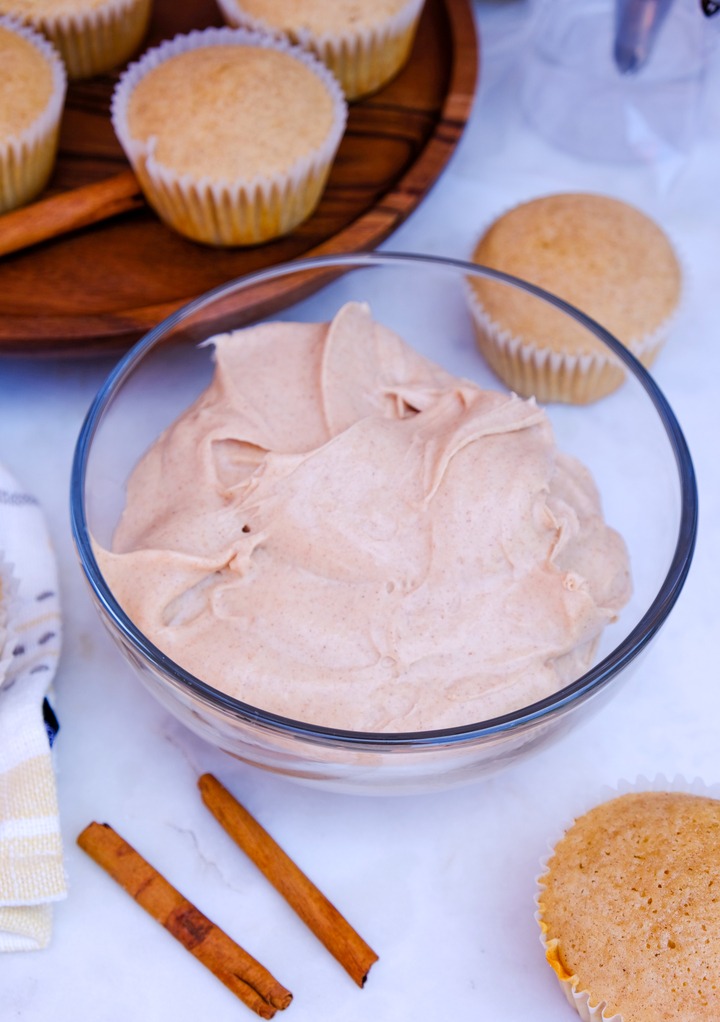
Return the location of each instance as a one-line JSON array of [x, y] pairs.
[[238, 970], [68, 211], [319, 914]]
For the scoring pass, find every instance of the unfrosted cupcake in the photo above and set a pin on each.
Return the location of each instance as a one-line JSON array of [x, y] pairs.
[[32, 93], [91, 36], [231, 133], [630, 911], [365, 43], [599, 254]]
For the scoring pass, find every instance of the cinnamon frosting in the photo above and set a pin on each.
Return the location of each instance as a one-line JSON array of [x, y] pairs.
[[341, 532]]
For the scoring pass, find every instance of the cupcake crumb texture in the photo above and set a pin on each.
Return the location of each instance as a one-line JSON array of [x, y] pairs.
[[630, 907]]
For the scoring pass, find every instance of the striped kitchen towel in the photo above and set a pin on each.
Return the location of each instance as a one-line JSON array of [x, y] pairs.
[[32, 875]]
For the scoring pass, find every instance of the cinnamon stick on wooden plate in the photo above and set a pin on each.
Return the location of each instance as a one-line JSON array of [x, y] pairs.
[[67, 211], [319, 914], [238, 970]]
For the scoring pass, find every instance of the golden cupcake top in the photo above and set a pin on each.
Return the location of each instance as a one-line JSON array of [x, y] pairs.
[[26, 82], [321, 16], [630, 906], [601, 255], [225, 112]]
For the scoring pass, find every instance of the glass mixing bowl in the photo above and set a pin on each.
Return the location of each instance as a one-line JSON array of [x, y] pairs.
[[630, 441]]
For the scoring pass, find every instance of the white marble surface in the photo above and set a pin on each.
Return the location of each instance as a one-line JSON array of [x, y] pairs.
[[441, 885]]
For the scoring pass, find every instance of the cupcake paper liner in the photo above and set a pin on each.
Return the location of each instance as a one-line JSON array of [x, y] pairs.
[[571, 985], [535, 371], [95, 40], [243, 212], [362, 60], [550, 375], [27, 159]]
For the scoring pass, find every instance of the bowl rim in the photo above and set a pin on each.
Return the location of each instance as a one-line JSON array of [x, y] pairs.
[[587, 685]]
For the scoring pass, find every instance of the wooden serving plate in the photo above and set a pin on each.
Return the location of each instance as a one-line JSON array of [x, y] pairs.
[[100, 288]]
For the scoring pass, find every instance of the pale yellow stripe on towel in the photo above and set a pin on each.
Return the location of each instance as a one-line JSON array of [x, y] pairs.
[[31, 867], [28, 789], [51, 616]]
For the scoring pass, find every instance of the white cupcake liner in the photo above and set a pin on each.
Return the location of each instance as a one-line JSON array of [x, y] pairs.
[[571, 985], [243, 212], [362, 59], [549, 375], [96, 39], [27, 159]]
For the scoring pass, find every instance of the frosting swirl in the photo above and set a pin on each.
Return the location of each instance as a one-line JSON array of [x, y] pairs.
[[341, 532]]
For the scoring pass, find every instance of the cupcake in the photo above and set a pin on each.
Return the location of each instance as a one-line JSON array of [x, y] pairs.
[[32, 94], [231, 133], [629, 909], [599, 254], [363, 42], [91, 36]]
